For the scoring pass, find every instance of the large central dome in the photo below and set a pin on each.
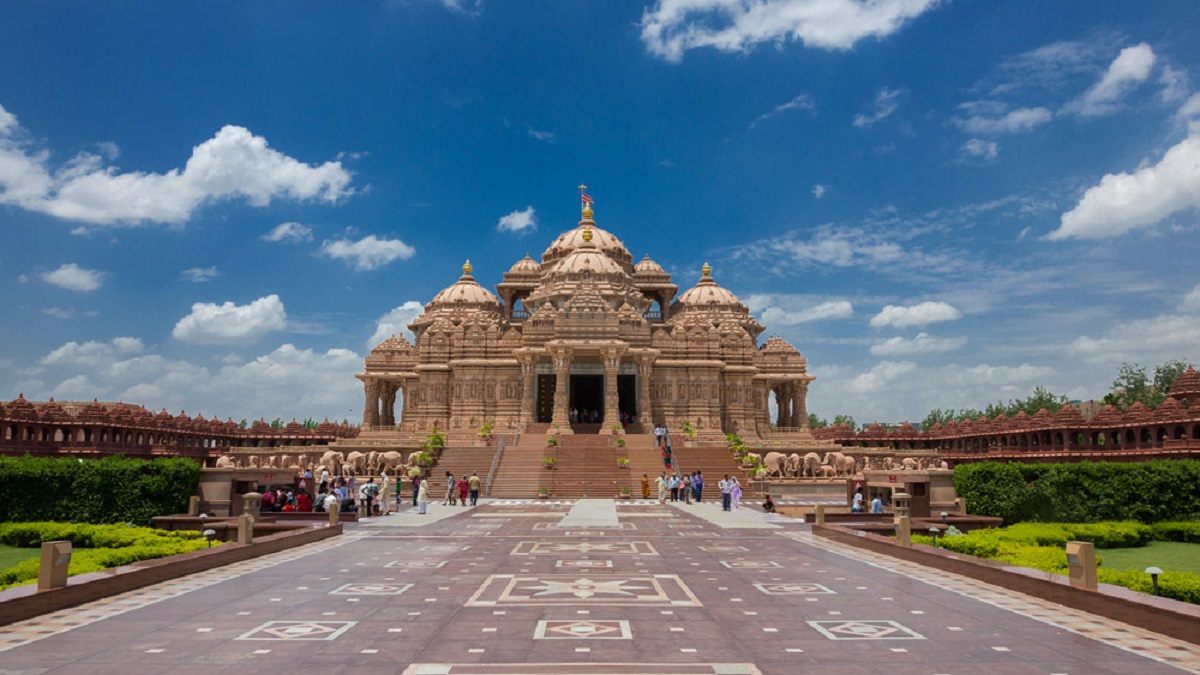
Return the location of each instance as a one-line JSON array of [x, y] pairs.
[[572, 240]]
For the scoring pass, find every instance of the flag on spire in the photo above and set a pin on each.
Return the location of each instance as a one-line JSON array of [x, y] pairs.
[[584, 196]]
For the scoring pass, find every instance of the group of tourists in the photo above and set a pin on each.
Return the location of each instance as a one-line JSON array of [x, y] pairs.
[[675, 487], [458, 491], [585, 416], [731, 492]]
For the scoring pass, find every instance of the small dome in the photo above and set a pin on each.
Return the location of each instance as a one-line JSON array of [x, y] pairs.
[[588, 260], [707, 292], [648, 266], [465, 291], [526, 266]]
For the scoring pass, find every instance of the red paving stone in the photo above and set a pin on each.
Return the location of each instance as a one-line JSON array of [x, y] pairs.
[[512, 594]]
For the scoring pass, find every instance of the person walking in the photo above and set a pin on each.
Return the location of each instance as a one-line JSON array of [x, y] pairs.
[[474, 484], [698, 485], [661, 482], [685, 489], [645, 486], [451, 499], [735, 493], [673, 483], [726, 488], [417, 482], [877, 504], [463, 486], [422, 498], [366, 498]]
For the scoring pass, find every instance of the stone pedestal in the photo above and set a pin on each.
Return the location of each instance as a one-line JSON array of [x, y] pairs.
[[56, 558], [252, 504], [904, 531], [245, 529], [1081, 564]]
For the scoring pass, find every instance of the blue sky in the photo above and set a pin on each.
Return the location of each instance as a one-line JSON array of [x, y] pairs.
[[220, 207]]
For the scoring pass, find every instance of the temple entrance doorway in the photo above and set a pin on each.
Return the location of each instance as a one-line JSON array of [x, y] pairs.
[[545, 398], [587, 399], [627, 395]]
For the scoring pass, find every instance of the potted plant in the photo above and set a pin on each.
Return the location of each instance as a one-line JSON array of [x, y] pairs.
[[622, 462], [625, 494], [548, 462], [543, 493], [689, 431], [620, 443], [485, 431], [616, 428], [552, 441]]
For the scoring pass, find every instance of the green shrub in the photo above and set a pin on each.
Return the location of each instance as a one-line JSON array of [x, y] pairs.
[[1184, 532], [1182, 586], [1083, 492], [110, 490], [95, 547]]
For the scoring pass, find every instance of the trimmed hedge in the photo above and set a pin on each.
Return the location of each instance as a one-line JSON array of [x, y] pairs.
[[96, 547], [1083, 492], [109, 490], [1042, 546]]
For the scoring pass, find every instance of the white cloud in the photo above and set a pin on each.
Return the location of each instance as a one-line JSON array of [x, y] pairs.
[[469, 7], [74, 278], [60, 313], [198, 275], [522, 221], [285, 382], [991, 118], [922, 344], [1127, 201], [672, 27], [396, 322], [234, 163], [976, 147], [885, 104], [1191, 302], [782, 310], [1153, 340], [544, 136], [922, 314], [800, 102], [828, 245], [210, 323], [289, 232], [819, 190], [1131, 68], [1174, 84], [92, 352], [367, 253], [1190, 107]]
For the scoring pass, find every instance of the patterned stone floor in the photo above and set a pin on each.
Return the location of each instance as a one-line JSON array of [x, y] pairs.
[[503, 589]]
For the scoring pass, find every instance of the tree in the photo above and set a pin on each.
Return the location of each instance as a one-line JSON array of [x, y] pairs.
[[309, 423], [277, 423], [243, 424], [1134, 384], [845, 419], [937, 416], [815, 422]]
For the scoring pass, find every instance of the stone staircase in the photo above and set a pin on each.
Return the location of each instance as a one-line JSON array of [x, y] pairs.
[[520, 473], [586, 465], [714, 461], [460, 461]]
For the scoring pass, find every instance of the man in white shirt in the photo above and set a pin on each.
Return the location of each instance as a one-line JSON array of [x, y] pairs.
[[726, 487]]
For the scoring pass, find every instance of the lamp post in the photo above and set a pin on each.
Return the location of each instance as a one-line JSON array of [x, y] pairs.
[[1154, 572], [944, 516], [209, 534], [934, 532]]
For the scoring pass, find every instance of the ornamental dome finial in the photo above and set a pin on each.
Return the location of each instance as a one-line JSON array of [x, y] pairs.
[[587, 234], [706, 270], [587, 201], [467, 267]]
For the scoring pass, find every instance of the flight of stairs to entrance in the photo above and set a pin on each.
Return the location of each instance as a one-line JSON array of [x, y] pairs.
[[714, 461], [520, 473], [586, 466], [460, 461]]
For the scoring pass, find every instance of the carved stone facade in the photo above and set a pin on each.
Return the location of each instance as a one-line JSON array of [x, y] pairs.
[[584, 333]]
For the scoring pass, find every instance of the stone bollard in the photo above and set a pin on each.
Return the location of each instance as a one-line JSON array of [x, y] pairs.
[[333, 516], [820, 514], [56, 558], [1081, 564], [904, 531], [251, 504], [193, 506], [245, 529]]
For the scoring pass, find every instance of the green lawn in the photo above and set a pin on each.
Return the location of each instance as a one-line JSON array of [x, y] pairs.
[[11, 555], [1167, 555]]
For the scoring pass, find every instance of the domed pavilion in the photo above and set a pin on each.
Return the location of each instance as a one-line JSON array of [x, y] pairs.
[[581, 341]]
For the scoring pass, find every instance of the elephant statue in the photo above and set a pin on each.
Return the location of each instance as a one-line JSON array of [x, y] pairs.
[[944, 466], [909, 463], [826, 471], [285, 462], [356, 464], [793, 464], [253, 462], [373, 463], [775, 463], [226, 462], [391, 461], [810, 465], [332, 459]]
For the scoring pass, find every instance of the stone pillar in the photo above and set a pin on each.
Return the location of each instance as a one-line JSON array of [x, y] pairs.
[[371, 404], [612, 415], [528, 391], [645, 411], [799, 395], [562, 374]]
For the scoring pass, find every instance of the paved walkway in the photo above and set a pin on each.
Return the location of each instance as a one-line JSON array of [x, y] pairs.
[[506, 589]]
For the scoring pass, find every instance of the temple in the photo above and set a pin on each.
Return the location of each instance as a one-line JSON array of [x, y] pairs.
[[584, 341]]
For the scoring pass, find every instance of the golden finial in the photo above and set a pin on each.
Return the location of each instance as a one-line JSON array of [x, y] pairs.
[[706, 270], [587, 234], [587, 202], [467, 267]]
